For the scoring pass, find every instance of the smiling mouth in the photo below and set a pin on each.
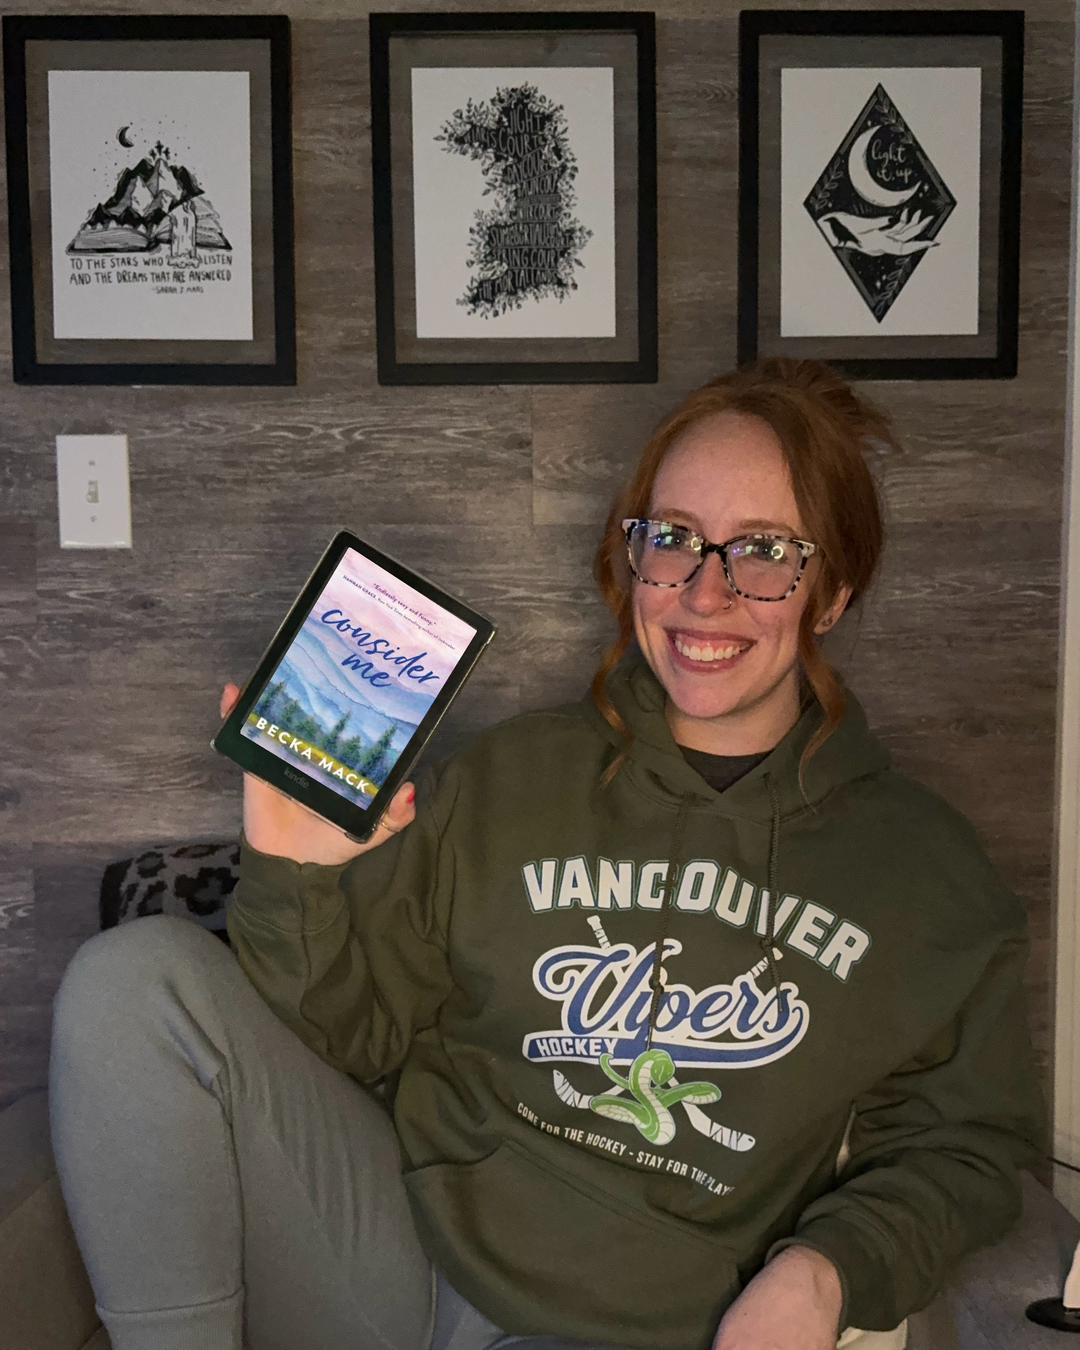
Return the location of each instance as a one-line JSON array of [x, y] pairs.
[[705, 652]]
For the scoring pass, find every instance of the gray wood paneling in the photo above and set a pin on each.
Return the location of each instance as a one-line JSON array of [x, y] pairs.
[[110, 663]]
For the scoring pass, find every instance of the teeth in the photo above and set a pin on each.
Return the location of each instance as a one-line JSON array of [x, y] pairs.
[[707, 653]]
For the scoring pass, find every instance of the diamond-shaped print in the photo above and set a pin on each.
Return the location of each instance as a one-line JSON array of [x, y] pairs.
[[880, 203]]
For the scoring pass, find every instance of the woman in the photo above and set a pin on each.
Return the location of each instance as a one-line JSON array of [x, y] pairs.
[[596, 1145]]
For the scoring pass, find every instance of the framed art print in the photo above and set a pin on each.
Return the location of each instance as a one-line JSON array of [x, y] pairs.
[[514, 166], [150, 200], [879, 189]]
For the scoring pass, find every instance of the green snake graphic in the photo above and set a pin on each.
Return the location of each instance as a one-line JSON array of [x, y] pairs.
[[650, 1110]]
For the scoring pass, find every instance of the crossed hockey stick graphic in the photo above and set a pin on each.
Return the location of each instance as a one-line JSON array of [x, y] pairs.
[[653, 1089]]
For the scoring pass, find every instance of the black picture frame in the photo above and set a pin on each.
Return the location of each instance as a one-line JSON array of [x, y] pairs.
[[772, 42], [159, 42], [404, 357]]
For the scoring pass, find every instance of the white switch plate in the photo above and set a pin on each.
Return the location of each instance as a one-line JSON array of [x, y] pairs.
[[93, 488]]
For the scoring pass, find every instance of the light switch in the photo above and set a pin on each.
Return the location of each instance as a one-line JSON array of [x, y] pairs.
[[93, 488]]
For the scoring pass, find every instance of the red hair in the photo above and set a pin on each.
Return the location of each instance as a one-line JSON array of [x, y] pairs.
[[824, 429]]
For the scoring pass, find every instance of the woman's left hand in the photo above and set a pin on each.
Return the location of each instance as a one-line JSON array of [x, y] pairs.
[[793, 1303]]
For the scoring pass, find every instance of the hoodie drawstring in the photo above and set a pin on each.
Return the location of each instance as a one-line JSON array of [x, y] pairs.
[[770, 918], [656, 982]]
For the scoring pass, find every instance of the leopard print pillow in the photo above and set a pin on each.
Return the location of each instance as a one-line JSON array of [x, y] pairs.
[[191, 881]]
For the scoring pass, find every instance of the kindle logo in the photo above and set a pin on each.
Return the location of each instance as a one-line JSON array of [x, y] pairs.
[[298, 778]]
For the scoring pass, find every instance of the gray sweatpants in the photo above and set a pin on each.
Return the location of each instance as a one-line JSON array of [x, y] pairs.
[[227, 1188]]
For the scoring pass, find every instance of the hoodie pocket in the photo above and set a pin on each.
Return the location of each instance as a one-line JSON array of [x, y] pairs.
[[538, 1250]]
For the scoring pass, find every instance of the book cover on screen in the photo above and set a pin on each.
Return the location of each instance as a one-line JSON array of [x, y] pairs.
[[358, 679]]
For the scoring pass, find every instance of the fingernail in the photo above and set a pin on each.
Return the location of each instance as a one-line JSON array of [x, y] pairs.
[[412, 796]]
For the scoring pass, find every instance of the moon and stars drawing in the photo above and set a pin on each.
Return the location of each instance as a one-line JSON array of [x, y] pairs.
[[122, 137], [880, 203]]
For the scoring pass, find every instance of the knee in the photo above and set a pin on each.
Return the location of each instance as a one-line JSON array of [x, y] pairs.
[[121, 974]]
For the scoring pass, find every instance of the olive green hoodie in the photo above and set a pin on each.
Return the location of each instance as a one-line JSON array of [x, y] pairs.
[[587, 1160]]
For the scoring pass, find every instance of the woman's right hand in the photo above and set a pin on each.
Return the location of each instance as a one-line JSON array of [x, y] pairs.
[[274, 823]]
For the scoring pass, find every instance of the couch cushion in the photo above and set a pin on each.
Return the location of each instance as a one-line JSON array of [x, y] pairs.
[[45, 1297], [25, 1151]]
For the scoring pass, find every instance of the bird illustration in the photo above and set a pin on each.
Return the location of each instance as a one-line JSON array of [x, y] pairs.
[[877, 235]]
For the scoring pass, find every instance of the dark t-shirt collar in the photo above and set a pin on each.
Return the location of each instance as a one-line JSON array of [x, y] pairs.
[[721, 771]]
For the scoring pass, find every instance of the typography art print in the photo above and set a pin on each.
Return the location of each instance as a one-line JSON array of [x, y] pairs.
[[514, 202], [880, 201], [358, 679], [150, 177]]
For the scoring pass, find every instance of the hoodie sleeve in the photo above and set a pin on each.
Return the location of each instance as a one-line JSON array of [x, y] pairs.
[[351, 958], [935, 1148]]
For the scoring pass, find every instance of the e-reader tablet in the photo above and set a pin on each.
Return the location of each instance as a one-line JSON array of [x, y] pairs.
[[357, 678]]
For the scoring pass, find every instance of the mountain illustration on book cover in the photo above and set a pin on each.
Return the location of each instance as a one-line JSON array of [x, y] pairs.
[[358, 679], [156, 205]]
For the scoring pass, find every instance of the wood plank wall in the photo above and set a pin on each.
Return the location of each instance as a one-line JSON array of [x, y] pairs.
[[110, 663]]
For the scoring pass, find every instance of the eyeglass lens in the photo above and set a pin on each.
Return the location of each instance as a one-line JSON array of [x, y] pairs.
[[763, 568]]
